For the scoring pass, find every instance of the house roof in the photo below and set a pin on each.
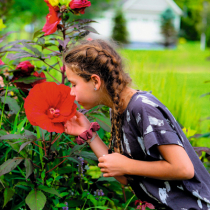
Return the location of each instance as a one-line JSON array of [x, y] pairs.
[[150, 5]]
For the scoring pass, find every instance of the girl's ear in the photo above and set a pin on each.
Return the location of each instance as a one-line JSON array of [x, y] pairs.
[[96, 81]]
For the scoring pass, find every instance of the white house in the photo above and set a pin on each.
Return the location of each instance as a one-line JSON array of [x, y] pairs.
[[143, 20]]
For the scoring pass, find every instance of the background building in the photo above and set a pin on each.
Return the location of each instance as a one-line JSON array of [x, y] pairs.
[[143, 21]]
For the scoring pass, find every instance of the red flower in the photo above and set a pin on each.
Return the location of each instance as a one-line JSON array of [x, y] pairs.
[[143, 204], [41, 75], [49, 105], [79, 5], [52, 18], [1, 62], [25, 67]]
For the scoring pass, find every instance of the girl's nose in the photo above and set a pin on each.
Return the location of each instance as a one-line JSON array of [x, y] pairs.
[[72, 92]]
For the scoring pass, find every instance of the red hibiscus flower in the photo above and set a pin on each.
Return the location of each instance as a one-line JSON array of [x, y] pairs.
[[52, 18], [49, 105], [25, 67], [143, 204], [1, 62], [41, 75], [79, 5]]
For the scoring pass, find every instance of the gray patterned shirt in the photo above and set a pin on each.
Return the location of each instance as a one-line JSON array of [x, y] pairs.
[[146, 124]]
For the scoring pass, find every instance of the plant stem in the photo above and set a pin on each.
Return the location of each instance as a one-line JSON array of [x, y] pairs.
[[56, 139], [50, 66], [56, 166], [53, 77], [38, 145], [52, 50], [64, 68], [3, 106]]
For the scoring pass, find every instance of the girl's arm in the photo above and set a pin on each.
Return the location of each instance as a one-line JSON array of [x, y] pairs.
[[175, 166], [101, 150]]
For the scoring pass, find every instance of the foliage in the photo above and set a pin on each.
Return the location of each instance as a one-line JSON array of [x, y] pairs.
[[119, 31], [204, 152], [167, 27], [41, 169], [189, 22], [30, 11]]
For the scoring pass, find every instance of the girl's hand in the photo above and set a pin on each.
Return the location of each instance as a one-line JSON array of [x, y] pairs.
[[77, 124], [113, 164]]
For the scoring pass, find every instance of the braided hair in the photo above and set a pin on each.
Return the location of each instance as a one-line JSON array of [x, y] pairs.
[[97, 57]]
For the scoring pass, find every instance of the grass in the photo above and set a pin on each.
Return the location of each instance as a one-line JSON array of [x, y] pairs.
[[177, 78]]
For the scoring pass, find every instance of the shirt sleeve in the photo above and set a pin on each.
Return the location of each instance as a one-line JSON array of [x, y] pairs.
[[155, 127]]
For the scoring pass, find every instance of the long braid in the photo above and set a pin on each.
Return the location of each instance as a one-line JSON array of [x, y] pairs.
[[97, 57]]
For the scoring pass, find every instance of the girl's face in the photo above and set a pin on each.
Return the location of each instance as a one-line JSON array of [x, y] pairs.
[[83, 91]]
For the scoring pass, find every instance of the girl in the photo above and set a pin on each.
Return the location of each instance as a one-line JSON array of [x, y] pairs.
[[152, 153]]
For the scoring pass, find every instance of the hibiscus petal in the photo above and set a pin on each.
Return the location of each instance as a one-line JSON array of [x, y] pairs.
[[50, 28], [50, 95], [66, 107], [57, 127], [35, 99]]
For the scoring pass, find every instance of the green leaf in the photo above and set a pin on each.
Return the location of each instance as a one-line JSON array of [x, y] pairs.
[[12, 104], [73, 159], [89, 155], [49, 190], [18, 136], [63, 194], [8, 193], [3, 133], [89, 28], [103, 121], [94, 172], [18, 206], [99, 207], [28, 80], [38, 130], [41, 41], [20, 127], [106, 179], [9, 165], [29, 184], [16, 147], [34, 50], [36, 200], [24, 145], [92, 199], [76, 148], [29, 167], [75, 203], [65, 170], [13, 56], [37, 33]]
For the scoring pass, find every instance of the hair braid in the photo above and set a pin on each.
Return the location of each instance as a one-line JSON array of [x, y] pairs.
[[97, 57]]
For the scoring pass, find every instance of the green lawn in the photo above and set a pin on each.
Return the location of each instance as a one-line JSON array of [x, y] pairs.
[[176, 77]]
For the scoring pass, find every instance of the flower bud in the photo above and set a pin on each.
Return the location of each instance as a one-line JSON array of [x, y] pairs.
[[1, 62], [25, 67], [54, 2]]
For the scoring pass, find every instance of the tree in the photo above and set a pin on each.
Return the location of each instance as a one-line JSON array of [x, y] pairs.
[[119, 32], [167, 27]]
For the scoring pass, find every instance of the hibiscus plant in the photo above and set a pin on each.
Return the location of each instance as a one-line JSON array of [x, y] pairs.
[[40, 166]]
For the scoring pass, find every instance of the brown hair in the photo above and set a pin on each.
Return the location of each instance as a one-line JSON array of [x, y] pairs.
[[97, 57]]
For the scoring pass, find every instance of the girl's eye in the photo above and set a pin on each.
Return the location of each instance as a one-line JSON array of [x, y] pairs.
[[72, 85]]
